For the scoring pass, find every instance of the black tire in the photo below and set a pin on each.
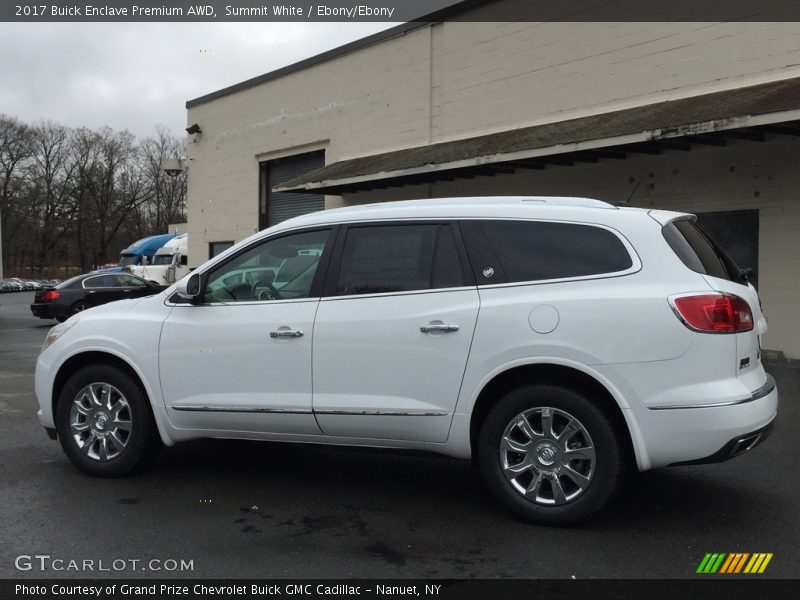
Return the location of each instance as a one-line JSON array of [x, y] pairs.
[[61, 319], [141, 439], [79, 306], [606, 471]]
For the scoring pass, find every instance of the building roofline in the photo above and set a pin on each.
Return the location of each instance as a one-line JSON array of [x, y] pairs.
[[437, 16]]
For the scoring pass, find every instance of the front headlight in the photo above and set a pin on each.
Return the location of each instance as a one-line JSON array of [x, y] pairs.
[[57, 331]]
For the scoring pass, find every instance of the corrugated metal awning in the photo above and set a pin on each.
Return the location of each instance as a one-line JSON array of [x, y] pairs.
[[669, 125]]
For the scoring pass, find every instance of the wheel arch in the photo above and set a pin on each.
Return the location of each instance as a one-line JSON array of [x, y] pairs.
[[565, 376], [94, 357]]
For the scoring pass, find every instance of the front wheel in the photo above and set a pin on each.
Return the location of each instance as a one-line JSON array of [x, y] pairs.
[[104, 422], [550, 454]]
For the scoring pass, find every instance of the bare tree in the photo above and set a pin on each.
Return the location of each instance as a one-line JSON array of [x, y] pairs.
[[77, 197], [52, 175], [116, 188], [15, 150], [167, 203]]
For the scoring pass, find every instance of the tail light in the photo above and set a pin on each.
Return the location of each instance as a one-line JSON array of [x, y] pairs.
[[51, 295], [713, 313]]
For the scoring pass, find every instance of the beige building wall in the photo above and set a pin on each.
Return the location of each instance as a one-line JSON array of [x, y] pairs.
[[452, 80]]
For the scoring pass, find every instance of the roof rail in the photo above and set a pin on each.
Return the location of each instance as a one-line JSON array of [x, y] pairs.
[[559, 201]]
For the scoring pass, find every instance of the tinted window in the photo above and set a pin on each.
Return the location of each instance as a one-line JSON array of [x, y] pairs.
[[398, 258], [129, 281], [696, 250], [278, 269], [100, 281], [736, 233], [533, 251]]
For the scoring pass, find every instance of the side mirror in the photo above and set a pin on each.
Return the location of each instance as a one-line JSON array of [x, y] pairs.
[[189, 287]]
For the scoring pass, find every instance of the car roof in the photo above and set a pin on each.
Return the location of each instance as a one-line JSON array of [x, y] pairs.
[[554, 208], [84, 276], [543, 207]]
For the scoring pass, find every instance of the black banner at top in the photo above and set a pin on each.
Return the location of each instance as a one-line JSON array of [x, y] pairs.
[[398, 10]]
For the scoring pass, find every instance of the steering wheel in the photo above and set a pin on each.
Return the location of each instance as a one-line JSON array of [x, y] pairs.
[[240, 291], [271, 293]]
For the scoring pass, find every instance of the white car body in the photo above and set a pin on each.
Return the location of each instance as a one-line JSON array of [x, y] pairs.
[[168, 264], [364, 375]]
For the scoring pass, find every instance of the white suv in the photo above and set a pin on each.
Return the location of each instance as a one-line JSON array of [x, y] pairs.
[[557, 341]]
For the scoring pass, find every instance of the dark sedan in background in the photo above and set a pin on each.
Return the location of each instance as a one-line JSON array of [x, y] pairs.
[[85, 291]]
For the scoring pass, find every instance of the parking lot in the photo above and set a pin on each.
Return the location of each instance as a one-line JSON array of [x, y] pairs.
[[241, 509]]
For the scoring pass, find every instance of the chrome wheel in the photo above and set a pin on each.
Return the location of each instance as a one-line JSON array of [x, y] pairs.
[[547, 455], [100, 421]]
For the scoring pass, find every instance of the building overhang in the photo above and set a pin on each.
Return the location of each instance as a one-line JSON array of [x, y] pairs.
[[748, 113]]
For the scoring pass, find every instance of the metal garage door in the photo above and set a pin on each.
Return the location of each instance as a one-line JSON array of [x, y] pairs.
[[279, 206]]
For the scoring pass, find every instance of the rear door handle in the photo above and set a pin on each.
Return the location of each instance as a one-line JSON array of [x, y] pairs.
[[438, 328], [286, 333]]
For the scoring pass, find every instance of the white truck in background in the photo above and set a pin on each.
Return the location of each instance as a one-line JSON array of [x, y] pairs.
[[169, 264]]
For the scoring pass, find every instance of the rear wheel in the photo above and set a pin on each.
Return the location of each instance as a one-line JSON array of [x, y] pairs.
[[79, 306], [550, 455], [104, 422]]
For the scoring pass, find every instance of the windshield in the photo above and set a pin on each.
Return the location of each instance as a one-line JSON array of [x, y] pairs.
[[128, 259], [162, 259]]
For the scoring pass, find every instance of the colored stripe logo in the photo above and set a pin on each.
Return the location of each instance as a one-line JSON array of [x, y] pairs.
[[734, 562]]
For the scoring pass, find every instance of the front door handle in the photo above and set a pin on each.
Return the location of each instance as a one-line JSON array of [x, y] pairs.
[[438, 328], [286, 333]]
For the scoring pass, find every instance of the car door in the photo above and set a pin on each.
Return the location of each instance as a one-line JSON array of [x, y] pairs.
[[393, 332], [100, 289], [240, 358]]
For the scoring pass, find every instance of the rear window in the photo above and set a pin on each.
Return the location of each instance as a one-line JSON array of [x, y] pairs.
[[538, 250], [698, 251]]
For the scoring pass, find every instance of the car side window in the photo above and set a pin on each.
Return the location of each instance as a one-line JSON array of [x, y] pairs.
[[398, 258], [99, 281], [129, 281], [542, 250], [278, 269]]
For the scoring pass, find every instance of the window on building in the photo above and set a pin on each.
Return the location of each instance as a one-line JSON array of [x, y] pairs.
[[275, 207], [215, 248], [399, 258], [535, 251]]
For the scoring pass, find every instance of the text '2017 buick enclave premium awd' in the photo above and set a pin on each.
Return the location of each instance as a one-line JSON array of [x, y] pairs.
[[557, 341]]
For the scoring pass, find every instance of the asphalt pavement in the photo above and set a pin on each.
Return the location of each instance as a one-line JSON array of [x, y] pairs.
[[248, 509]]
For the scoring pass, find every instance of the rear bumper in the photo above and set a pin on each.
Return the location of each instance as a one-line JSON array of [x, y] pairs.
[[736, 447], [45, 311], [696, 434]]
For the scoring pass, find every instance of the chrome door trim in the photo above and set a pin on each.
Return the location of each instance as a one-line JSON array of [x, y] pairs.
[[242, 409], [303, 411]]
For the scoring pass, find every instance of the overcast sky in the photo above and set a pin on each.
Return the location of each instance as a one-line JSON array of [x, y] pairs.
[[137, 76]]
